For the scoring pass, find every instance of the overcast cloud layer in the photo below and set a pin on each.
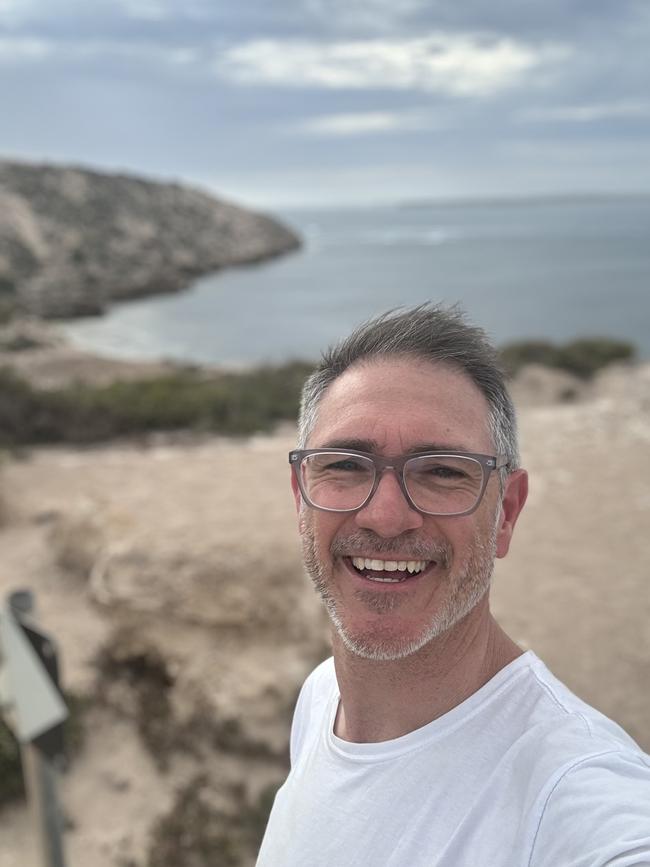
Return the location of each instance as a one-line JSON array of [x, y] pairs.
[[327, 101]]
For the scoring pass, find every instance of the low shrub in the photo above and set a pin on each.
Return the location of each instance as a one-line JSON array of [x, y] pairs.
[[587, 356], [27, 415], [228, 403], [582, 357], [233, 403], [8, 309], [18, 342], [202, 829], [134, 679], [521, 352]]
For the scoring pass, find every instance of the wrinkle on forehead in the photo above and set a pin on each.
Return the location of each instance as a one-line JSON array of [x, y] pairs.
[[398, 402]]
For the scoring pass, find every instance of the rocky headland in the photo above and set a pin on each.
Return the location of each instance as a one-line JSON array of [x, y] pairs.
[[73, 240]]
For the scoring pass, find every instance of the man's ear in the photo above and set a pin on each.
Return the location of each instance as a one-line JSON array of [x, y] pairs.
[[514, 497]]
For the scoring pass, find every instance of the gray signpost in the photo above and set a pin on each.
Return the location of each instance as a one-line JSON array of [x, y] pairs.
[[32, 705]]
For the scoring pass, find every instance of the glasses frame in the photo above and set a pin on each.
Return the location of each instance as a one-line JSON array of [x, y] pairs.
[[488, 463]]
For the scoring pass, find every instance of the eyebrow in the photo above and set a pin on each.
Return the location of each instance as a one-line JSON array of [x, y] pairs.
[[355, 445], [371, 446]]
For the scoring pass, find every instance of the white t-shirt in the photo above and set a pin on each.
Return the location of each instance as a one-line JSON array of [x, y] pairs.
[[521, 774]]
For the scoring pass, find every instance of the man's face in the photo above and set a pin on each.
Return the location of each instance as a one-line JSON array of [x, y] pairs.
[[391, 407]]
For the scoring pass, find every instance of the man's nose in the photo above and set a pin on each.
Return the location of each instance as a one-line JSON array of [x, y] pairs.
[[388, 513]]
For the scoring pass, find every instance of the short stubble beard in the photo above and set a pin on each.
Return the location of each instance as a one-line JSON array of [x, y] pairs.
[[465, 591]]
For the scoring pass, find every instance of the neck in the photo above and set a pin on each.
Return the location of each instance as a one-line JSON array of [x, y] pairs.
[[382, 700]]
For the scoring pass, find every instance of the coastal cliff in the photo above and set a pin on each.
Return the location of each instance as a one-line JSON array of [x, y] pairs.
[[186, 624], [73, 240]]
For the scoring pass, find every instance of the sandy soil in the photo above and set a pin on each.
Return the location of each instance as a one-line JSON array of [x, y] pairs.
[[167, 540]]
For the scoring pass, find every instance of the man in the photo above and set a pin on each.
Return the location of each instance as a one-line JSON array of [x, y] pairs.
[[431, 738]]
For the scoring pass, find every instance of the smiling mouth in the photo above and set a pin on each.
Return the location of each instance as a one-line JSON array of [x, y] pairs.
[[388, 571]]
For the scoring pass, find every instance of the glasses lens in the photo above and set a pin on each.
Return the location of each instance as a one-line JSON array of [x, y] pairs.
[[337, 481], [444, 485]]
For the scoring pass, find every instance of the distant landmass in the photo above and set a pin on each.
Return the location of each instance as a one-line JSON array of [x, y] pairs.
[[524, 199], [73, 240]]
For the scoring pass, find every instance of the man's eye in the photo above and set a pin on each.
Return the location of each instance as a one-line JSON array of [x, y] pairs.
[[442, 472], [347, 465]]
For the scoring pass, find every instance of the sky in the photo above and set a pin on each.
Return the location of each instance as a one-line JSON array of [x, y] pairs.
[[326, 102]]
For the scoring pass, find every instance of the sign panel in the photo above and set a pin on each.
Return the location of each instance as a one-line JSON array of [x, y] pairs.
[[29, 688]]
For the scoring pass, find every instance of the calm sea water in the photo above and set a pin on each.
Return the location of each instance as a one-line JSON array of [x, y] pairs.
[[531, 269]]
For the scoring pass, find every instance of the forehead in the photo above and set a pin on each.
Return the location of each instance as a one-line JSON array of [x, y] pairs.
[[398, 404]]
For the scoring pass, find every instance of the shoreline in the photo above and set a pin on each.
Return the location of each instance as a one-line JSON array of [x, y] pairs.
[[44, 356]]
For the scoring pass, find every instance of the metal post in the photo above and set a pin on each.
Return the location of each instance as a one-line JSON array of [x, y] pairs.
[[41, 778], [41, 773]]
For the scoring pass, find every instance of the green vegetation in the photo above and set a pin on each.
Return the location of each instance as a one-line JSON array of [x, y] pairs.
[[128, 662], [583, 357], [228, 403], [134, 680], [210, 822], [7, 310], [8, 302], [18, 342]]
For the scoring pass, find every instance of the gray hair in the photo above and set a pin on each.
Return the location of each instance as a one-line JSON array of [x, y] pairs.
[[429, 332]]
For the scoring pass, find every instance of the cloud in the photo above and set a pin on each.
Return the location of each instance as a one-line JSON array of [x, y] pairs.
[[363, 123], [29, 50], [457, 65], [24, 50], [13, 11], [586, 113]]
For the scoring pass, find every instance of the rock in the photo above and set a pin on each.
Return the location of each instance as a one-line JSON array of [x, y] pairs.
[[73, 240]]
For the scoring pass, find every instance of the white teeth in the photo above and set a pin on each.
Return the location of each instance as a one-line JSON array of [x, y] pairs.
[[411, 566]]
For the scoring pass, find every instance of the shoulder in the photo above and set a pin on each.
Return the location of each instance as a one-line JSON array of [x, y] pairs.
[[596, 812], [544, 699], [593, 804]]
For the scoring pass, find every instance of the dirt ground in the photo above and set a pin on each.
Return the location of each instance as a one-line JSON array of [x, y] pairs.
[[166, 540]]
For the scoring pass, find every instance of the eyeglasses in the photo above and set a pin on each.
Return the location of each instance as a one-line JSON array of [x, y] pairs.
[[434, 483]]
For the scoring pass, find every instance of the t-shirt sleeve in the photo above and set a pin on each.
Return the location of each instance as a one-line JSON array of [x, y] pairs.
[[597, 814]]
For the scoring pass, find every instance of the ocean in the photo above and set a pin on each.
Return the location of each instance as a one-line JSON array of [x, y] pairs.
[[553, 269]]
